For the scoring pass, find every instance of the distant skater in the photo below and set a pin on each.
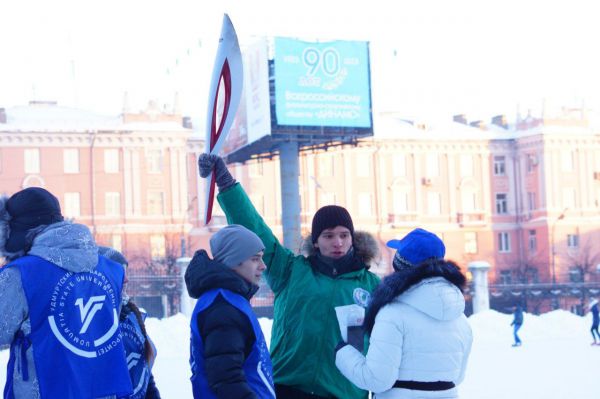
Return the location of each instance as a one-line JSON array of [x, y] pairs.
[[595, 321], [517, 323]]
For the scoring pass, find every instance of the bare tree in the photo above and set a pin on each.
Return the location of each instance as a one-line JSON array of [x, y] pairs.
[[584, 260]]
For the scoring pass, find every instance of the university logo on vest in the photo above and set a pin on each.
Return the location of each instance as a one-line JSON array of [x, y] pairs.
[[83, 314], [133, 340]]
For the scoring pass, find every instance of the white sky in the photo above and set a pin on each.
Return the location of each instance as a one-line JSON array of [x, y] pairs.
[[476, 57]]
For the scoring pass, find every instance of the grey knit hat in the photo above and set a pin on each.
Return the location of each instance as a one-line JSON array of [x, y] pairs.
[[234, 244], [113, 254]]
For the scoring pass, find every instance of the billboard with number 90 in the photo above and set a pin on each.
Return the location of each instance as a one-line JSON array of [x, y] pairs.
[[322, 84]]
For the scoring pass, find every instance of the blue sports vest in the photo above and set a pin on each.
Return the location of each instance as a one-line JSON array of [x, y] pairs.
[[257, 367], [77, 344], [133, 341]]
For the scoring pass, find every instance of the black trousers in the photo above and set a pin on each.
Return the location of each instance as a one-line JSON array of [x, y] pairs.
[[288, 392]]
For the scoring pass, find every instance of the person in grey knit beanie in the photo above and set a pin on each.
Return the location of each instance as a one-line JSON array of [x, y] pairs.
[[233, 244], [229, 357]]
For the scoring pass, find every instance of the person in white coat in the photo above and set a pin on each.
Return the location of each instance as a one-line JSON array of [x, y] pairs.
[[420, 339]]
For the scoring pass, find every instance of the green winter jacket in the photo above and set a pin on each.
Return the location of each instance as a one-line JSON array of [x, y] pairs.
[[305, 328]]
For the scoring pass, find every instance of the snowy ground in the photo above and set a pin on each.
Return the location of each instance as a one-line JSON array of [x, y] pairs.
[[556, 360]]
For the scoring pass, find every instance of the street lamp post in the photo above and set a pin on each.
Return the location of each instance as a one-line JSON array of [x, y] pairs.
[[554, 299]]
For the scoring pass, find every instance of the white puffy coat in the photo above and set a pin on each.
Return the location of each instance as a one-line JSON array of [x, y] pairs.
[[422, 335]]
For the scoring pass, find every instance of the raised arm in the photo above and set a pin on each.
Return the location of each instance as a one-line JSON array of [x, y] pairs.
[[239, 210]]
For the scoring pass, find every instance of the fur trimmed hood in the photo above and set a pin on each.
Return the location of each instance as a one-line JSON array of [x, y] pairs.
[[365, 247], [399, 286]]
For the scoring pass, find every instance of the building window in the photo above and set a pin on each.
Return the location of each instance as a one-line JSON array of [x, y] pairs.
[[470, 242], [326, 199], [400, 202], [365, 204], [32, 160], [433, 165], [505, 277], [531, 162], [156, 203], [567, 161], [531, 201], [399, 165], [326, 166], [71, 160], [466, 165], [155, 160], [434, 203], [112, 203], [501, 204], [116, 241], [575, 274], [503, 242], [532, 241], [157, 247], [573, 241], [363, 164], [111, 160], [255, 169], [72, 205], [569, 197], [469, 201], [533, 275], [499, 165]]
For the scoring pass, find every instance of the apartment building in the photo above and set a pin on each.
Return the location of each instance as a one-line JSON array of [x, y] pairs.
[[524, 197], [125, 176]]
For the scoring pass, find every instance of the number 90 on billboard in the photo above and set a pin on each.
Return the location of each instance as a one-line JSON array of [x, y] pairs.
[[322, 84]]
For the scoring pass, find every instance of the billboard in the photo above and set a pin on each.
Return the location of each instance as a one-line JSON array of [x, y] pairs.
[[322, 83], [253, 118]]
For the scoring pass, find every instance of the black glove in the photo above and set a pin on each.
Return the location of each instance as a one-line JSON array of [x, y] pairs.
[[209, 162], [339, 346]]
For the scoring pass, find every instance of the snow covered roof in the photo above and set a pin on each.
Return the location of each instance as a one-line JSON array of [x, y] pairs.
[[394, 127], [50, 117]]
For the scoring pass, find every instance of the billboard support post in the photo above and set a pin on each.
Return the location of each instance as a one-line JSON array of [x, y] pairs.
[[289, 166]]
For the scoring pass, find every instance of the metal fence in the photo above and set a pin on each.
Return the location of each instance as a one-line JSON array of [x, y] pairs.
[[160, 296], [542, 297]]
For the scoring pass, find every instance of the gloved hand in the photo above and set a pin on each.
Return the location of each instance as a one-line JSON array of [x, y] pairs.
[[339, 346], [213, 163]]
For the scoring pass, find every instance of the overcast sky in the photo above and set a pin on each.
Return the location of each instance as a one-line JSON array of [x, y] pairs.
[[428, 58]]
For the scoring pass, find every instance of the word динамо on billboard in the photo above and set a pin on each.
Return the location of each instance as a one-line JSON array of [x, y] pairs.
[[322, 84]]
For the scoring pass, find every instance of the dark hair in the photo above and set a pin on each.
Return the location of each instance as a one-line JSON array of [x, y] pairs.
[[148, 350]]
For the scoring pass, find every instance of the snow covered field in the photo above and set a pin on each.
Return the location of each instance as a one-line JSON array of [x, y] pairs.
[[556, 360]]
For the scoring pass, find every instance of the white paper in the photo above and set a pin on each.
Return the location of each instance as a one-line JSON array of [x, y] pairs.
[[349, 315]]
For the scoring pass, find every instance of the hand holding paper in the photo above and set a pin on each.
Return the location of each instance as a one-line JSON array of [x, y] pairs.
[[350, 319]]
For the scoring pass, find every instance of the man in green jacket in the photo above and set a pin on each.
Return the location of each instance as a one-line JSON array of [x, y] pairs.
[[307, 289]]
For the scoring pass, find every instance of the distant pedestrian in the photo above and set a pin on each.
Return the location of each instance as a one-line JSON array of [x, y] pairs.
[[595, 321], [517, 323]]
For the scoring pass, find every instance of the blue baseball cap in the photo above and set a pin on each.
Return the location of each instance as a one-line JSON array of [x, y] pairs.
[[416, 247]]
